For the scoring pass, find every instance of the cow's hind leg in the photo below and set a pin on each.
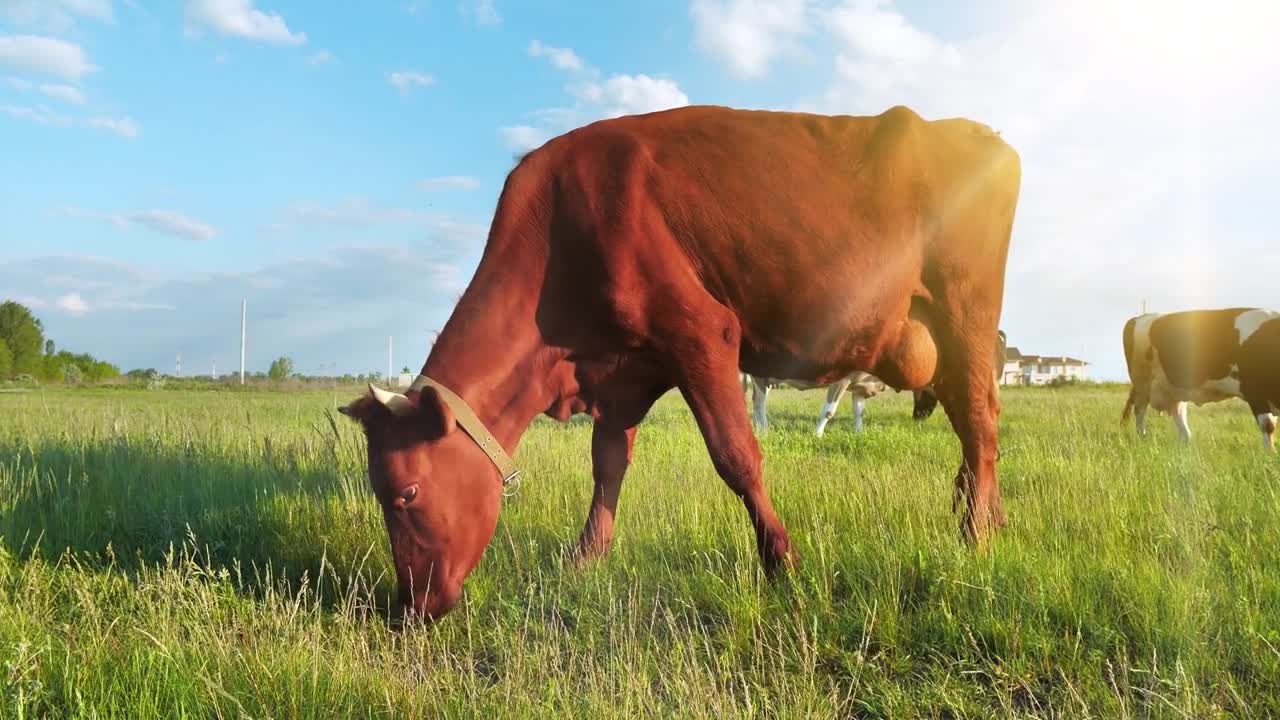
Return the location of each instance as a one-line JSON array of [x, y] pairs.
[[835, 391], [1180, 421], [759, 402], [968, 394], [703, 346], [1261, 410]]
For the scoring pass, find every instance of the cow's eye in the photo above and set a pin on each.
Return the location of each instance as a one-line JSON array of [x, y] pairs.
[[406, 496]]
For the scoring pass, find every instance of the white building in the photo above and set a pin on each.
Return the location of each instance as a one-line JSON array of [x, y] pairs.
[[1022, 369]]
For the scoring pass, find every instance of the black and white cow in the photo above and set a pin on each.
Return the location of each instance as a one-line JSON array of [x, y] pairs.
[[1204, 356], [863, 387], [859, 384]]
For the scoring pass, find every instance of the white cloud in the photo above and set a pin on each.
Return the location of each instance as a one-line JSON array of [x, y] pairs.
[[359, 212], [632, 95], [65, 93], [748, 35], [562, 58], [241, 19], [449, 182], [165, 222], [484, 12], [55, 15], [334, 308], [44, 56], [524, 137], [72, 303], [320, 58], [39, 114], [43, 115], [594, 99], [124, 127], [170, 222], [406, 80]]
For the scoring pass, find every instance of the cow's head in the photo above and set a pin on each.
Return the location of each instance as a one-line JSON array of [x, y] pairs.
[[439, 493]]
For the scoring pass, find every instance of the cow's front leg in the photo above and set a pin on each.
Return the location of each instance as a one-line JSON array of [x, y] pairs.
[[611, 448], [707, 356]]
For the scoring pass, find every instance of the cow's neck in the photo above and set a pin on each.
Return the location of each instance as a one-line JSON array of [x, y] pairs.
[[490, 351]]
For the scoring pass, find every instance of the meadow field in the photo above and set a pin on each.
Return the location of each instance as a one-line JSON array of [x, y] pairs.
[[218, 554]]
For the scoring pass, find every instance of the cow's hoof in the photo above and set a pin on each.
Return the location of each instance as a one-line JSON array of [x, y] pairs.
[[581, 557], [780, 558]]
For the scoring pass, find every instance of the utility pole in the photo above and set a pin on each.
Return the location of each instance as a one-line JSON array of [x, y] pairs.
[[389, 362], [177, 368], [1144, 307], [213, 371], [243, 309]]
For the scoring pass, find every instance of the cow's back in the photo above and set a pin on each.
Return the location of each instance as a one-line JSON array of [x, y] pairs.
[[1196, 347], [815, 230]]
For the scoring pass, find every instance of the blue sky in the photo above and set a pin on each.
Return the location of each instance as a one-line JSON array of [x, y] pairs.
[[337, 166]]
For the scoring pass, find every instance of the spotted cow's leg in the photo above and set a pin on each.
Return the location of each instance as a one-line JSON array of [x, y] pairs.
[[759, 398], [835, 391], [1267, 424], [1180, 420]]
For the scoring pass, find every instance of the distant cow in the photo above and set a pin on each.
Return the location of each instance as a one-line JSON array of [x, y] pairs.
[[860, 384], [863, 386], [1204, 356]]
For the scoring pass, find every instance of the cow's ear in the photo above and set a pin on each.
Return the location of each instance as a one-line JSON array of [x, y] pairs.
[[361, 409], [435, 413]]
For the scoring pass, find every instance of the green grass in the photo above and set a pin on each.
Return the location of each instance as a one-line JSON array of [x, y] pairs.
[[212, 554]]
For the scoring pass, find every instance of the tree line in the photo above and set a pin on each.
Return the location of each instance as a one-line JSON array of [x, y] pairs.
[[25, 352]]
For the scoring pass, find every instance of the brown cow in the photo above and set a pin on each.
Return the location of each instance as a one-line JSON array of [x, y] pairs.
[[641, 253]]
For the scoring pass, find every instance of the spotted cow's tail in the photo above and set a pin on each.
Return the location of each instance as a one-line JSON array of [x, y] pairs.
[[1127, 338]]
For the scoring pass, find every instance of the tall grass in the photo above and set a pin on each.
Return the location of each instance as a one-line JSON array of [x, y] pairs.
[[219, 555]]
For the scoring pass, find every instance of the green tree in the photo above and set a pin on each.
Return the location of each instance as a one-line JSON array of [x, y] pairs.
[[72, 374], [24, 335], [281, 368], [6, 360]]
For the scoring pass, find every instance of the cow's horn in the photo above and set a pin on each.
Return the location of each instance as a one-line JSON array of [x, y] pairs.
[[395, 402]]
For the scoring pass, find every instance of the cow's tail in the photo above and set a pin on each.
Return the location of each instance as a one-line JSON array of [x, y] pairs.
[[1129, 363]]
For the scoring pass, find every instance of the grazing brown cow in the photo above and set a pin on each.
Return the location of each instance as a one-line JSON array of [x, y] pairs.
[[1204, 356], [641, 253]]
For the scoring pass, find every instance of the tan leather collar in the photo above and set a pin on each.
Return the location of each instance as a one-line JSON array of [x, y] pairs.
[[472, 425]]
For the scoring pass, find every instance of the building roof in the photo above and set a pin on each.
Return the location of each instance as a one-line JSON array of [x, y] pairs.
[[1012, 353], [1051, 360]]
